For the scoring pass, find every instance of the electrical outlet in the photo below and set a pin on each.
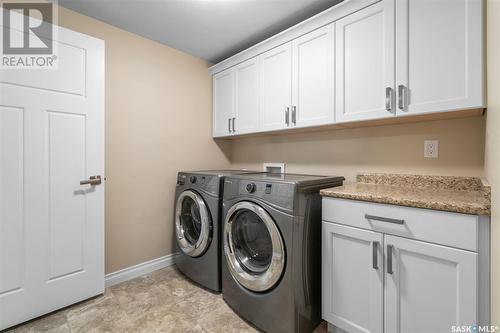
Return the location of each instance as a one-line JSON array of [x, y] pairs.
[[431, 148]]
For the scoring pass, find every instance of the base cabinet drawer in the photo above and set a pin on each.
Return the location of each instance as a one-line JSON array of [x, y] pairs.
[[374, 282], [445, 228]]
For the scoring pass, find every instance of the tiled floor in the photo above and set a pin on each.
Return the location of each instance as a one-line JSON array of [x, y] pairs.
[[163, 301]]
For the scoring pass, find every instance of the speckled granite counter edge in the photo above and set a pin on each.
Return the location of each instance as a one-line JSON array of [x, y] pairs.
[[462, 208], [449, 183]]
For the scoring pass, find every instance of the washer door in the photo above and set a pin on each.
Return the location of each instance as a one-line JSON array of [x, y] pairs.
[[253, 247], [192, 223]]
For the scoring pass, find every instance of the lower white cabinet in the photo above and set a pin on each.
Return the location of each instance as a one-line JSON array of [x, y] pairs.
[[375, 281], [428, 287], [353, 286]]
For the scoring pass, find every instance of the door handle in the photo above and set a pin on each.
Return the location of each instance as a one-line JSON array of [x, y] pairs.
[[229, 125], [287, 116], [388, 99], [389, 259], [234, 130], [375, 255], [93, 180], [294, 115], [402, 97]]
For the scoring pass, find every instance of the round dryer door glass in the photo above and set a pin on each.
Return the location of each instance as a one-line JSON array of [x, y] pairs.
[[253, 247], [192, 223]]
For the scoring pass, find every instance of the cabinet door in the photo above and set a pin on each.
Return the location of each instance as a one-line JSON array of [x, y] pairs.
[[246, 78], [352, 278], [365, 64], [276, 87], [431, 287], [223, 103], [313, 78], [439, 55]]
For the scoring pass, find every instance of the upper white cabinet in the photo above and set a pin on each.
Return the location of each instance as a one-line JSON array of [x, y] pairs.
[[439, 52], [223, 103], [365, 64], [246, 82], [313, 78], [276, 87], [360, 60]]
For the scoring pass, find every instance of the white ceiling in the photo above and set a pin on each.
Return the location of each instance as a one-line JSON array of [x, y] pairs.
[[209, 29]]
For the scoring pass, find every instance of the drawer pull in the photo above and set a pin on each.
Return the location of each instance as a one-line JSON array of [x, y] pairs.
[[384, 219]]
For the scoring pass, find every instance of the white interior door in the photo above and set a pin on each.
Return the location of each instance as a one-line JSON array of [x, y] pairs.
[[352, 278], [51, 138], [365, 64], [313, 78], [223, 103], [439, 55], [246, 78], [428, 287], [276, 87]]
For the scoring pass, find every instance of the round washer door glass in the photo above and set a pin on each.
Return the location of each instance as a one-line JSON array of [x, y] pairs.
[[253, 247], [192, 223]]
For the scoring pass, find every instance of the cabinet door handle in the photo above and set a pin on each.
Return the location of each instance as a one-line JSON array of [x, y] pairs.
[[287, 116], [384, 219], [294, 115], [375, 255], [401, 97], [229, 125], [389, 259], [234, 128], [388, 99]]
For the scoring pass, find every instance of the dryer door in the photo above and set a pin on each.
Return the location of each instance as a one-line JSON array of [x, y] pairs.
[[193, 224], [253, 247]]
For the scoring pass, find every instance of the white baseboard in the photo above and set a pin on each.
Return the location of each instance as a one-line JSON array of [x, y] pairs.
[[132, 272]]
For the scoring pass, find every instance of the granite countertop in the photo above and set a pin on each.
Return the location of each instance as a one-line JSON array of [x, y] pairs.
[[468, 195]]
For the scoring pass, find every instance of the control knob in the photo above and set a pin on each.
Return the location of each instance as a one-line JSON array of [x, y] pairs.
[[250, 187]]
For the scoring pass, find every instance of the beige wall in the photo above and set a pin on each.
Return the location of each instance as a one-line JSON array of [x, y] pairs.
[[158, 111], [492, 160], [394, 148]]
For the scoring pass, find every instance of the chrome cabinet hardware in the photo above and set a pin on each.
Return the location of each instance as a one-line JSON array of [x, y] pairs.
[[402, 97], [388, 99], [384, 219], [229, 125], [93, 180], [375, 255], [234, 128], [287, 116], [389, 259], [294, 115]]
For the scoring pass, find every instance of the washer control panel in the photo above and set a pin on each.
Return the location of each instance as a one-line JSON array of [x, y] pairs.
[[278, 194]]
